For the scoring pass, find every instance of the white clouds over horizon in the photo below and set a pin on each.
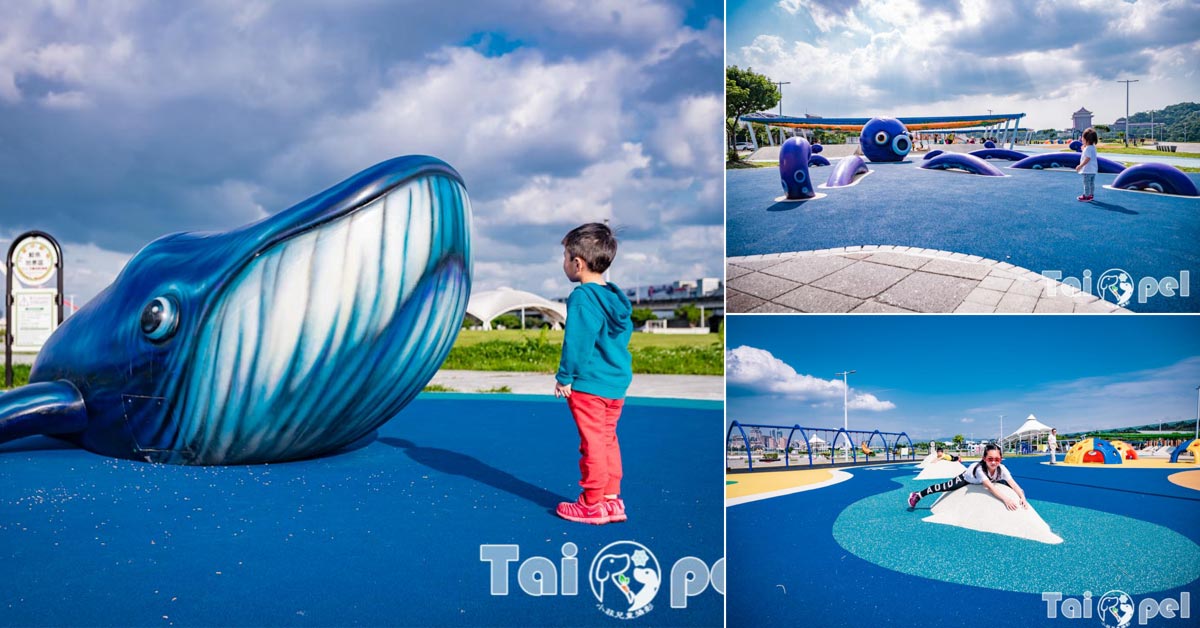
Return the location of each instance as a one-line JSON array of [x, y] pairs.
[[1141, 397], [761, 372], [910, 57], [555, 113]]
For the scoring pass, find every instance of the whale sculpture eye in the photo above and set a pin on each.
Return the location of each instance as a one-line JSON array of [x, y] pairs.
[[800, 176], [160, 318], [881, 137], [901, 144]]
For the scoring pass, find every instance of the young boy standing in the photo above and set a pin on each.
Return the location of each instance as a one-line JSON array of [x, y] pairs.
[[594, 372]]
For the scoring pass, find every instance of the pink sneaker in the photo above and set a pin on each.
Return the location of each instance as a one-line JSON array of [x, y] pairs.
[[581, 512], [913, 498], [616, 509], [1083, 197]]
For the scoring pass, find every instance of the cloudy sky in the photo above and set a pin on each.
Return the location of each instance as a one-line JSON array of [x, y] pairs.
[[937, 376], [121, 122], [930, 57]]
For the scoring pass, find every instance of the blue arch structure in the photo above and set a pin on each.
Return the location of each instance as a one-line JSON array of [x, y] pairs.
[[787, 449], [862, 436], [911, 447]]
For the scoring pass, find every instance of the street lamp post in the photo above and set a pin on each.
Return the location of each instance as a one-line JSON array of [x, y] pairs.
[[1001, 441], [846, 408], [1197, 412], [781, 84], [1127, 108]]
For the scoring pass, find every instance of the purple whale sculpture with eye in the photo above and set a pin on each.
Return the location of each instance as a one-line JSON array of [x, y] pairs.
[[794, 157], [885, 139], [1158, 177]]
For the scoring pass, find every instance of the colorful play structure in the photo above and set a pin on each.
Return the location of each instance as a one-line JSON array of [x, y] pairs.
[[1096, 450], [801, 442], [1125, 449], [1192, 447], [1100, 451]]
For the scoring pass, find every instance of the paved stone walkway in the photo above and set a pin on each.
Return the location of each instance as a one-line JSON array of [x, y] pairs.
[[895, 279], [672, 386]]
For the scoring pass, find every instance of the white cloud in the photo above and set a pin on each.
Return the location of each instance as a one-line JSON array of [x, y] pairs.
[[571, 200], [760, 371], [1046, 59], [966, 420], [687, 136], [867, 401], [207, 119], [484, 115]]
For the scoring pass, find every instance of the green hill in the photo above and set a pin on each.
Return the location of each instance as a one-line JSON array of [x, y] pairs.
[[1181, 120]]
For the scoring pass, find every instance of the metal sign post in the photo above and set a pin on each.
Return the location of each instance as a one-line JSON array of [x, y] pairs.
[[32, 260]]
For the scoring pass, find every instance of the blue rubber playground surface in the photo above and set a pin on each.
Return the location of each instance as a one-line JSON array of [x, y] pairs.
[[852, 554], [1030, 219], [385, 533]]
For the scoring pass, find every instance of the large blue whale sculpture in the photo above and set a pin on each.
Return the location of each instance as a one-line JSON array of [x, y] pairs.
[[287, 338]]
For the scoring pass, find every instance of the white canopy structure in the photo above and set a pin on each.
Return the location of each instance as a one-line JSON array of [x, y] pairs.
[[486, 306], [1031, 430]]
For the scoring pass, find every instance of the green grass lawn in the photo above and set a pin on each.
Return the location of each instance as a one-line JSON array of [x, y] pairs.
[[741, 164], [537, 351], [20, 375], [1115, 148]]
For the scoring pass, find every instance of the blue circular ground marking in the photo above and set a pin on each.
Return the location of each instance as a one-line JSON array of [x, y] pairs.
[[1100, 551]]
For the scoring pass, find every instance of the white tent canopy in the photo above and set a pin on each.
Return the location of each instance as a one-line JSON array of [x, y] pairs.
[[486, 306], [1030, 430]]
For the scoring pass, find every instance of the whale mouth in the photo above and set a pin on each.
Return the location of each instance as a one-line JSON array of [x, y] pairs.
[[306, 344]]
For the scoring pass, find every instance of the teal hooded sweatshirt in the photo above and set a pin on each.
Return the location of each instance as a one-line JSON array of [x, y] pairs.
[[595, 353]]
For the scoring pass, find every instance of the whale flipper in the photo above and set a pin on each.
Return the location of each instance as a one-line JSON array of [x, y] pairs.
[[974, 508], [48, 408]]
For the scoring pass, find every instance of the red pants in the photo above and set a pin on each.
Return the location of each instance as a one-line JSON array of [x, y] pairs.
[[600, 454]]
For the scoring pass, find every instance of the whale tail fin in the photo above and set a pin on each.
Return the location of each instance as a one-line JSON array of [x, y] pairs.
[[50, 408]]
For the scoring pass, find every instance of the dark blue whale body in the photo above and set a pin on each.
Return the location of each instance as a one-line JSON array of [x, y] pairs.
[[846, 170], [1065, 160], [288, 338], [999, 153], [1157, 177], [961, 161]]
